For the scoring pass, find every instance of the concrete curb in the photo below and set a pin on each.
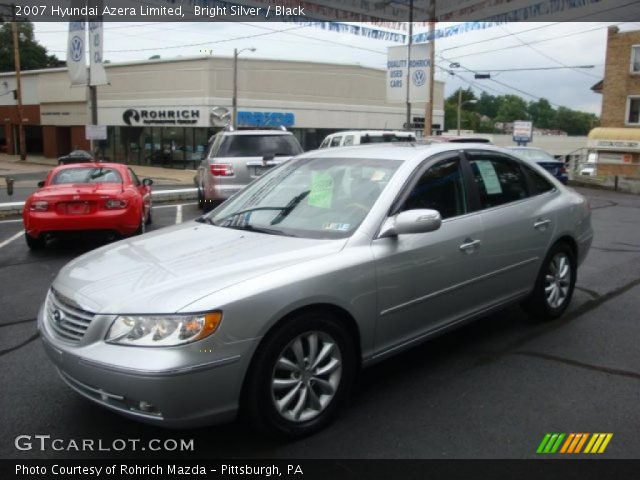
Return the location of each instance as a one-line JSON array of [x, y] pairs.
[[160, 196]]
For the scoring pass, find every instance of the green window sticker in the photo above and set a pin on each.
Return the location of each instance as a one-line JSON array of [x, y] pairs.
[[321, 190], [489, 177]]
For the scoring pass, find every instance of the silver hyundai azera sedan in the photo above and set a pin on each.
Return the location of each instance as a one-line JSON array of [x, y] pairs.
[[271, 303]]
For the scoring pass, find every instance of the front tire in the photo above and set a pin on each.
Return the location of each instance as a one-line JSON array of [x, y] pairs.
[[555, 284], [300, 376], [35, 243]]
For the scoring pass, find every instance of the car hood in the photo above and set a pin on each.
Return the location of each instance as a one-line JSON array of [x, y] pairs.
[[164, 271]]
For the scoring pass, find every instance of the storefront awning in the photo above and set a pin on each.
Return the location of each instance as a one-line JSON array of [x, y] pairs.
[[615, 138]]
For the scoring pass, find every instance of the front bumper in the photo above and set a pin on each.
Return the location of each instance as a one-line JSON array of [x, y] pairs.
[[186, 386]]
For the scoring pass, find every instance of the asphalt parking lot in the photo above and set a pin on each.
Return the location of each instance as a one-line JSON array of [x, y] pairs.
[[489, 390]]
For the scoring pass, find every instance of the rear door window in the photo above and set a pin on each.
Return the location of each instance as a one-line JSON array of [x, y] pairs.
[[499, 179], [348, 140], [259, 146]]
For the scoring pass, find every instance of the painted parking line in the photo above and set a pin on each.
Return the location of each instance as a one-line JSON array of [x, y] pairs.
[[11, 239], [178, 214], [11, 221], [175, 205]]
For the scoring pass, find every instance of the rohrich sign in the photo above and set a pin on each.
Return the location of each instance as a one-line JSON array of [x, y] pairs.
[[161, 116]]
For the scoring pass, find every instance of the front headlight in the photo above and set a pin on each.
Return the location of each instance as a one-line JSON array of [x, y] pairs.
[[162, 331]]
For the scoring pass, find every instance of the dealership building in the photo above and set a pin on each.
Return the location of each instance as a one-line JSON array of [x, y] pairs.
[[164, 111]]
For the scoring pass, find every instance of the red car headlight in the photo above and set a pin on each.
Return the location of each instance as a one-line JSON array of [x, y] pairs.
[[115, 204], [39, 206]]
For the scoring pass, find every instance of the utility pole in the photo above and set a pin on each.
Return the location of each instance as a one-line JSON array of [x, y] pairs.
[[16, 57], [459, 108], [234, 99], [428, 114], [409, 43]]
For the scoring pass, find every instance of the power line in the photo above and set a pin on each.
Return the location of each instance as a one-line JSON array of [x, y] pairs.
[[497, 37], [545, 55], [533, 42]]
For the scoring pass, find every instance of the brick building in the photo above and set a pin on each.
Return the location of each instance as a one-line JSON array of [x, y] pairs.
[[615, 145]]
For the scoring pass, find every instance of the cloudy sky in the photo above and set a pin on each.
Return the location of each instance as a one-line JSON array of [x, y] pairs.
[[549, 46]]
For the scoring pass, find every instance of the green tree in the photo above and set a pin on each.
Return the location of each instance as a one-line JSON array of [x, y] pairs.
[[32, 55], [541, 113], [511, 108], [488, 105]]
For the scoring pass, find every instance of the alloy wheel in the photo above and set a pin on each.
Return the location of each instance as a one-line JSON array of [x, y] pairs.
[[557, 280], [306, 376]]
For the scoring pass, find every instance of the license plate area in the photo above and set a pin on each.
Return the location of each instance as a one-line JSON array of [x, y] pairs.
[[258, 170], [77, 208]]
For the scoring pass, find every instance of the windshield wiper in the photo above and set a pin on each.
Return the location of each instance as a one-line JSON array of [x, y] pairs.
[[268, 231], [289, 208], [254, 209]]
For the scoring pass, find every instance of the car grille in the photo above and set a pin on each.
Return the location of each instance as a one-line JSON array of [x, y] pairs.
[[66, 318]]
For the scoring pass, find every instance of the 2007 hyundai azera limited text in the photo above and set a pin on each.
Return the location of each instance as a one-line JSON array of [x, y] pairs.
[[271, 303]]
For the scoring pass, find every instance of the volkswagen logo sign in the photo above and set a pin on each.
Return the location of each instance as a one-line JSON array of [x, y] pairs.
[[419, 78], [57, 316], [76, 48]]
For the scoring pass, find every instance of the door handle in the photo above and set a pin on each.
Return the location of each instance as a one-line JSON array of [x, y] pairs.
[[541, 224], [469, 245]]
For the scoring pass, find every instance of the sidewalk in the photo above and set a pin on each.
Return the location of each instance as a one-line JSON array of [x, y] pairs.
[[26, 172]]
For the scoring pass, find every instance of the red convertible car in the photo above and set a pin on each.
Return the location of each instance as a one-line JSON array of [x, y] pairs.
[[105, 197]]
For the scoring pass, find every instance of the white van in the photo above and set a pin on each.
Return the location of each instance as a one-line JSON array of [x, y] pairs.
[[358, 137]]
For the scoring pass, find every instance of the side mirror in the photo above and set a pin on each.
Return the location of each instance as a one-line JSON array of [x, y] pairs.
[[411, 221], [147, 182], [268, 157], [41, 184]]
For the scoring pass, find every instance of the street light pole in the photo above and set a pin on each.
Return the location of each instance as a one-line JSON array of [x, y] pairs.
[[234, 99], [460, 103]]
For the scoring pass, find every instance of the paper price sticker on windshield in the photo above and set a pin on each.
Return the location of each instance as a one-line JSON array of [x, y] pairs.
[[321, 190]]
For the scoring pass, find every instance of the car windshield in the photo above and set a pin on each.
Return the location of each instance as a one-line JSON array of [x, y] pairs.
[[87, 175], [382, 138], [308, 197], [259, 146], [535, 155]]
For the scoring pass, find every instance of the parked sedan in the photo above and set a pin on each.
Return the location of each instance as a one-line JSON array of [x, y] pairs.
[[545, 160], [106, 197], [337, 259], [76, 156]]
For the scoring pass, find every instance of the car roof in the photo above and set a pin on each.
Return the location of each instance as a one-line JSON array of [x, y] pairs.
[[409, 151], [257, 132], [373, 132]]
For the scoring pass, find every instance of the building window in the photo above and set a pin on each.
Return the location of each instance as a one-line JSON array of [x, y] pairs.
[[635, 59], [633, 110]]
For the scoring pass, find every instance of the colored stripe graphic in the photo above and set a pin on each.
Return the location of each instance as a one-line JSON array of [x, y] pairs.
[[573, 443]]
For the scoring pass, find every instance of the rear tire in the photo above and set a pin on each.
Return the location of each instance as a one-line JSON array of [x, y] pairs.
[[35, 243], [200, 199], [294, 395], [142, 227], [555, 284]]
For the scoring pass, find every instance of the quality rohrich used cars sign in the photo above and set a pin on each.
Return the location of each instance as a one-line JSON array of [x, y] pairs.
[[418, 66]]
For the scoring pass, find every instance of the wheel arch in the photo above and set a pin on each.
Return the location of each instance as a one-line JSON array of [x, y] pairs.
[[340, 313]]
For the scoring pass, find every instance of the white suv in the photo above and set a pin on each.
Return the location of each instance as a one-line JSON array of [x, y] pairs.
[[235, 158], [357, 137]]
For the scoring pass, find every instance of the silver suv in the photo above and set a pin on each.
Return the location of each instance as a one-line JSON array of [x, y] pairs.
[[235, 158]]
